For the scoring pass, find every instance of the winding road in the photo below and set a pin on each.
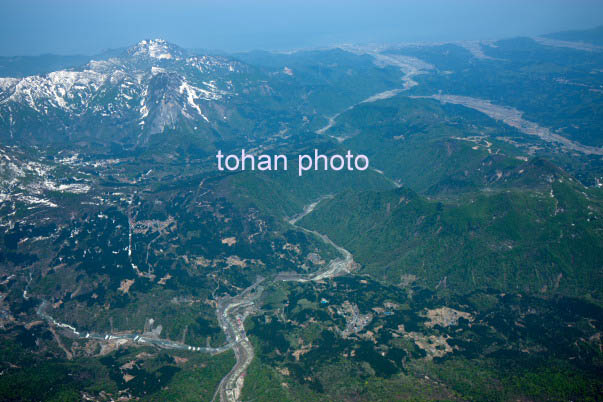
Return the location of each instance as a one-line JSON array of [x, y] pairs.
[[232, 311], [135, 338]]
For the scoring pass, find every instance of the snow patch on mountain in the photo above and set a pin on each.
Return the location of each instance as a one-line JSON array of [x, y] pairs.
[[157, 70], [63, 89], [212, 64], [29, 181], [195, 93], [7, 83], [149, 87], [157, 49]]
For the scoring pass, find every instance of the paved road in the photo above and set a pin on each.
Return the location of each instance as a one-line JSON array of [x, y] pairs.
[[134, 338], [231, 312]]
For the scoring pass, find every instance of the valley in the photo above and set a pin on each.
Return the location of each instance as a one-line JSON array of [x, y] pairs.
[[463, 263], [233, 311]]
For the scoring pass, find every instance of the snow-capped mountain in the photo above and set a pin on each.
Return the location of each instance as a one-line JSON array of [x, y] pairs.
[[157, 49], [157, 91], [152, 86], [67, 90]]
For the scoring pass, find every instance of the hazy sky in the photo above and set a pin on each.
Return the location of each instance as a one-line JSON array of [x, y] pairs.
[[89, 26]]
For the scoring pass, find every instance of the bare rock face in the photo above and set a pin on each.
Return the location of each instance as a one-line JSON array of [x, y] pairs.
[[151, 87]]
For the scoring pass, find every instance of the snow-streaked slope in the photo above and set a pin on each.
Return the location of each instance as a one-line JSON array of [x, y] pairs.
[[27, 179], [67, 90], [136, 91], [157, 49]]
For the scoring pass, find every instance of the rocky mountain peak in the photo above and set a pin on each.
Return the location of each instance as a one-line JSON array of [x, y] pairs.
[[157, 49]]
